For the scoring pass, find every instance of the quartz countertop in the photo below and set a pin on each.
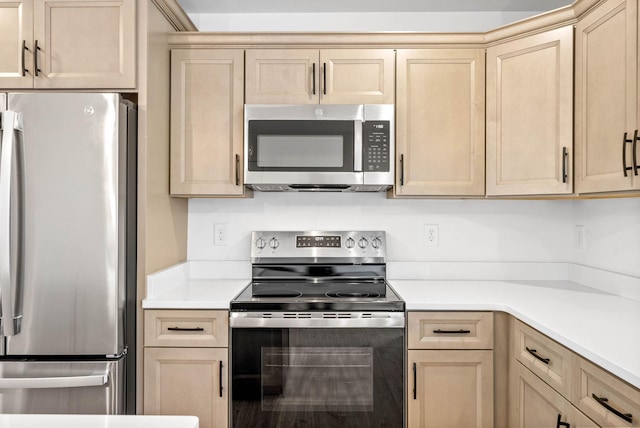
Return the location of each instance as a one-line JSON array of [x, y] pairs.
[[596, 324], [97, 421]]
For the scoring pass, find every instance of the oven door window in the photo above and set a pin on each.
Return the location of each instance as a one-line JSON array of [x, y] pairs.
[[301, 145], [317, 377]]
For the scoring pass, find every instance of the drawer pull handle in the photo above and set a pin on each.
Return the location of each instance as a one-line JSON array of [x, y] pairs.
[[535, 354], [461, 331], [185, 329], [562, 424], [604, 403]]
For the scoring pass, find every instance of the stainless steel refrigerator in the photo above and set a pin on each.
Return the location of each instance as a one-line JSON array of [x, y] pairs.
[[67, 253]]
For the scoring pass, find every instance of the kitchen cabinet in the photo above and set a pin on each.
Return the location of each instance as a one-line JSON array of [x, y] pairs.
[[606, 116], [440, 122], [207, 122], [547, 359], [325, 76], [68, 44], [530, 115], [604, 398], [186, 365], [449, 385], [536, 404]]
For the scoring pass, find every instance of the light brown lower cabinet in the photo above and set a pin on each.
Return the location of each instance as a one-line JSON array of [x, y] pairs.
[[450, 389], [536, 405], [187, 381]]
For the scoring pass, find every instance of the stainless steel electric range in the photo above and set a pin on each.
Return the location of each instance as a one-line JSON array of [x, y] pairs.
[[318, 336]]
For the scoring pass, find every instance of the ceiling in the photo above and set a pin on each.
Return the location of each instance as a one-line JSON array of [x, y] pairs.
[[324, 6]]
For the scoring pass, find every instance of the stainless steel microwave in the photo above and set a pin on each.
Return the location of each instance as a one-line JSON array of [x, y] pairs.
[[338, 148]]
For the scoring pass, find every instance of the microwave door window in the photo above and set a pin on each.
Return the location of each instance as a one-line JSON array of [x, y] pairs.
[[302, 151], [301, 145]]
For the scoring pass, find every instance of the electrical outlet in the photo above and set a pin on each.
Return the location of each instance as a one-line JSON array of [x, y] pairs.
[[431, 235], [580, 237], [220, 234]]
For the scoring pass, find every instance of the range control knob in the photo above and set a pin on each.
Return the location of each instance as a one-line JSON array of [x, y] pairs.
[[350, 243], [376, 243], [362, 243], [261, 243], [274, 243]]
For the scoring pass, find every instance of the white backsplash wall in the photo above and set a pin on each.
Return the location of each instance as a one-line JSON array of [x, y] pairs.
[[612, 234], [469, 230]]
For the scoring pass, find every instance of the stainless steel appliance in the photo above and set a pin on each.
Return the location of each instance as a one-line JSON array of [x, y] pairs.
[[335, 148], [67, 253], [318, 337]]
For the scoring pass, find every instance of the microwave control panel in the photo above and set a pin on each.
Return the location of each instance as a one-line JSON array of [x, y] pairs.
[[375, 146]]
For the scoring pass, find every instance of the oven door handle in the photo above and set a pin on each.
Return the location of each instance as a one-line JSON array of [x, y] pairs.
[[316, 320]]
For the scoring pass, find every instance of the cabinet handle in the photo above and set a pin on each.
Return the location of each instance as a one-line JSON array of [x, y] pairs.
[[324, 78], [313, 79], [185, 329], [562, 424], [565, 158], [24, 64], [461, 331], [635, 153], [237, 170], [604, 403], [625, 140], [535, 354], [402, 170], [415, 382], [220, 379], [36, 48]]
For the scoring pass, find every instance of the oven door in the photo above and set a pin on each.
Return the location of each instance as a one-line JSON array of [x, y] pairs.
[[317, 377]]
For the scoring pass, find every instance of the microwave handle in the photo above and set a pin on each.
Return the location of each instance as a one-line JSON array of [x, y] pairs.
[[357, 145]]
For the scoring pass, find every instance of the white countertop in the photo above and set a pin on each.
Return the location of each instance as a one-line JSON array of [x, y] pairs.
[[97, 421], [596, 324]]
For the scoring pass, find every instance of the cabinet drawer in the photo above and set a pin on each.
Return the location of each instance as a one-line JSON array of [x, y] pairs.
[[543, 356], [450, 330], [604, 398], [186, 328]]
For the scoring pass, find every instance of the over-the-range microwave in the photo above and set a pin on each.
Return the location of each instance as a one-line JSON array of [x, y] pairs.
[[338, 148]]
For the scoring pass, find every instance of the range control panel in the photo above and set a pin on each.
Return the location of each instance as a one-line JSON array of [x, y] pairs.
[[303, 245]]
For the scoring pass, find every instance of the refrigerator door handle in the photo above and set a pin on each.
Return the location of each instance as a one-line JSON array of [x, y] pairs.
[[54, 382], [11, 122]]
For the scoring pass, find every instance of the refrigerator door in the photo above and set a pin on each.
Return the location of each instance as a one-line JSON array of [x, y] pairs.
[[72, 292], [71, 387]]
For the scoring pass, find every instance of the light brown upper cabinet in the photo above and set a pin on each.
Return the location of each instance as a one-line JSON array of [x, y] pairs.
[[606, 117], [530, 115], [326, 76], [206, 122], [440, 122], [68, 44]]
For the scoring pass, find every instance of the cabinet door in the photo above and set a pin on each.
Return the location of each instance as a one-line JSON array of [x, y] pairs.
[[440, 122], [357, 76], [450, 389], [606, 88], [206, 122], [85, 44], [16, 21], [534, 404], [530, 115], [282, 76], [187, 381]]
